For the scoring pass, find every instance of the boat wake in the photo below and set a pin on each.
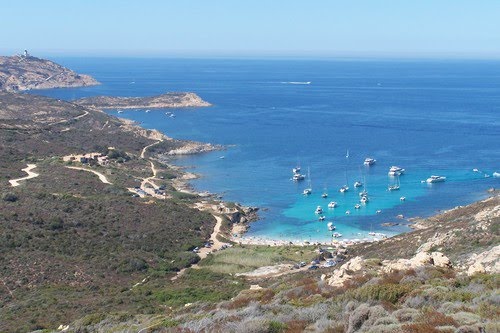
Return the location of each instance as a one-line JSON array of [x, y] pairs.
[[296, 82]]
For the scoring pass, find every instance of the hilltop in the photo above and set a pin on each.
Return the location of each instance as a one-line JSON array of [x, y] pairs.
[[18, 73], [167, 100]]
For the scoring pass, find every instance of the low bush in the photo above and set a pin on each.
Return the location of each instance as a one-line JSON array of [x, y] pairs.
[[388, 292], [10, 197], [276, 327]]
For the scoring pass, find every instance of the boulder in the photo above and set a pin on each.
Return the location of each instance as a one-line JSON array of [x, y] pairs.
[[440, 260]]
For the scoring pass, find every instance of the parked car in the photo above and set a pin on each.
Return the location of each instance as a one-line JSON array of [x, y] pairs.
[[329, 263], [313, 267], [302, 264]]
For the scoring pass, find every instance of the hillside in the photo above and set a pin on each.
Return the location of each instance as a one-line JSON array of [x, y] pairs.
[[77, 243], [441, 278], [98, 233], [18, 73], [167, 100]]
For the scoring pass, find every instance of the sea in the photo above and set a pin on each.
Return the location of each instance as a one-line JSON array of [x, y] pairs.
[[430, 117]]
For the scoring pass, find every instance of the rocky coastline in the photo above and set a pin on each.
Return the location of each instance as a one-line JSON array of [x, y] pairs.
[[25, 72], [167, 100]]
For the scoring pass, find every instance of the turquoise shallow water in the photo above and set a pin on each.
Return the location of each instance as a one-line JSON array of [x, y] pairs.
[[429, 117]]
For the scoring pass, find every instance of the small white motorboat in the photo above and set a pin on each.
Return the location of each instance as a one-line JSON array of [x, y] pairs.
[[358, 184], [307, 191], [331, 227], [402, 199], [318, 210], [369, 161], [396, 171], [332, 204], [297, 177], [321, 218], [435, 179], [357, 206]]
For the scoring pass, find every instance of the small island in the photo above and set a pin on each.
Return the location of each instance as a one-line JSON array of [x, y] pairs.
[[25, 72], [167, 100]]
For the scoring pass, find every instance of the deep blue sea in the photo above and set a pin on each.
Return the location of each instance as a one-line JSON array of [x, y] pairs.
[[429, 117]]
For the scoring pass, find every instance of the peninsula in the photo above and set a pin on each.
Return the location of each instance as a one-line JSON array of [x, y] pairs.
[[167, 100], [25, 72]]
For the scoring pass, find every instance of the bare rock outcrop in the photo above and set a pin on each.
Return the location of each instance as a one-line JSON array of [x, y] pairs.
[[357, 266], [485, 262], [18, 73], [189, 148], [346, 272]]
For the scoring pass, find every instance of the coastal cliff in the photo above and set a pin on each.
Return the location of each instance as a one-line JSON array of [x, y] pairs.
[[167, 100], [19, 73]]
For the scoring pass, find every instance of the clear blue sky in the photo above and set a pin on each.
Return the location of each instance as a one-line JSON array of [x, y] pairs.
[[359, 28]]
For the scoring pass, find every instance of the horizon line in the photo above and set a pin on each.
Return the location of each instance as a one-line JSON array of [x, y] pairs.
[[256, 55]]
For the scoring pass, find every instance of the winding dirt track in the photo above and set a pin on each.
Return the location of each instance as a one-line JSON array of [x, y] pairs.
[[15, 182], [102, 177], [146, 148]]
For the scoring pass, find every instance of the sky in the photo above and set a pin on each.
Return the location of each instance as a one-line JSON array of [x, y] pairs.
[[314, 28]]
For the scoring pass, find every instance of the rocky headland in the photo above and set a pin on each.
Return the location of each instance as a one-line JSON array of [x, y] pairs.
[[19, 73], [167, 100]]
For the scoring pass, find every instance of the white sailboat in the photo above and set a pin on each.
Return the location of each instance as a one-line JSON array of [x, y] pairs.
[[325, 193], [308, 190], [345, 188], [395, 186]]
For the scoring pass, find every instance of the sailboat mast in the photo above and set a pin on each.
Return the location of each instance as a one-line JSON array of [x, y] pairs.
[[346, 164]]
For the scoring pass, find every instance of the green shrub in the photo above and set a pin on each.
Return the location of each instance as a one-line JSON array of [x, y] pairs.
[[10, 197], [276, 327], [56, 223], [132, 265], [170, 323], [388, 292], [118, 154], [93, 319]]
